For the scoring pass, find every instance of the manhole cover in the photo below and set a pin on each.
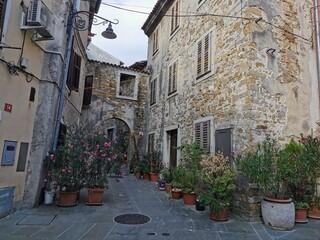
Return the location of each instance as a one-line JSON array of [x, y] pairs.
[[132, 219]]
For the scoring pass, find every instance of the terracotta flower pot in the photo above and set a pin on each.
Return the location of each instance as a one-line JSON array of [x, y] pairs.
[[154, 177], [176, 194], [68, 199], [137, 175], [314, 212], [95, 196], [220, 216], [301, 215], [189, 198], [168, 187], [146, 176]]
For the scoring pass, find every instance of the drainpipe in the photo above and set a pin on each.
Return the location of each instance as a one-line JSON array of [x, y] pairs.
[[65, 75], [316, 14]]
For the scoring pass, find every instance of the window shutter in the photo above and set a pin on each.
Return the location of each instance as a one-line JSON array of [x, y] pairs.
[[199, 61], [177, 14], [71, 71], [153, 91], [206, 136], [87, 94], [206, 62], [174, 77], [170, 79], [77, 70], [202, 135], [172, 19], [3, 5]]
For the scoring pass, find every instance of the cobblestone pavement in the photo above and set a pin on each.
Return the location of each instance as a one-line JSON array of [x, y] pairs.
[[169, 219]]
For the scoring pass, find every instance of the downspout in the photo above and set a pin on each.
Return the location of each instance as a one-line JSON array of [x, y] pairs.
[[317, 38], [65, 75]]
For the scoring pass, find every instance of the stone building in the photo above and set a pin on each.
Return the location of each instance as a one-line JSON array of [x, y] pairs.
[[117, 101], [226, 74], [34, 49]]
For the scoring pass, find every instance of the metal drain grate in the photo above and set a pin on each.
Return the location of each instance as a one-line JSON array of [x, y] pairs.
[[132, 219]]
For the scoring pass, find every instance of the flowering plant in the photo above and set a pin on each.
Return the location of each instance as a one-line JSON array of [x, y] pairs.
[[217, 181], [68, 168], [100, 157]]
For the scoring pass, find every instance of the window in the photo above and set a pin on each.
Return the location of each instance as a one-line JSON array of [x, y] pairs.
[[32, 94], [62, 135], [22, 159], [3, 20], [74, 71], [173, 74], [223, 141], [151, 142], [87, 94], [204, 56], [155, 37], [153, 91], [127, 86], [203, 135], [174, 16], [110, 134]]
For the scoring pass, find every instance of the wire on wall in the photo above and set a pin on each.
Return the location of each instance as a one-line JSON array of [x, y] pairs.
[[13, 70]]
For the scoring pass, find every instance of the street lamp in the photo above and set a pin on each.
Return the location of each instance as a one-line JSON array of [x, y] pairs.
[[79, 23], [76, 21]]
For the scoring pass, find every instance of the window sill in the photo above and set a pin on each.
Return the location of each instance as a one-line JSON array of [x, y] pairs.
[[203, 77], [174, 32], [127, 98], [171, 95]]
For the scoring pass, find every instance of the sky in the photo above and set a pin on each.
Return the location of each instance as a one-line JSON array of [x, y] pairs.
[[131, 43]]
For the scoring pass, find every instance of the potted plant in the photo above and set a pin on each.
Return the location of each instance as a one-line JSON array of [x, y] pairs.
[[137, 171], [301, 212], [100, 157], [68, 174], [145, 168], [217, 185], [49, 186], [191, 155], [264, 167], [177, 174], [314, 210], [166, 175], [155, 165]]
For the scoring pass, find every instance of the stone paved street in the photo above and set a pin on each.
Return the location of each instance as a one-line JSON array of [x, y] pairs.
[[170, 219]]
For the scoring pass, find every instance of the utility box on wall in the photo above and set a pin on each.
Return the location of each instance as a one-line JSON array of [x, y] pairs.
[[9, 152]]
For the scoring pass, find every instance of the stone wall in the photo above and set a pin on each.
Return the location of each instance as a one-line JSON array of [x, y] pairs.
[[107, 108], [263, 83]]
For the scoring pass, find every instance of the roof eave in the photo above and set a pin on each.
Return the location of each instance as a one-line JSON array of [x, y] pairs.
[[154, 18]]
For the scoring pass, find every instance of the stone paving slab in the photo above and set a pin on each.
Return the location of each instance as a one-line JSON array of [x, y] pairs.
[[170, 219]]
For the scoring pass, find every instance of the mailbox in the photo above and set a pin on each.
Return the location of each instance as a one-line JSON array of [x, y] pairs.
[[9, 152]]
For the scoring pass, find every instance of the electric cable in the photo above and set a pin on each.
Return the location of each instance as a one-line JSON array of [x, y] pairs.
[[212, 15]]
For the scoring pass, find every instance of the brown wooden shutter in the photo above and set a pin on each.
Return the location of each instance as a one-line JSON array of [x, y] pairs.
[[87, 94], [71, 71], [174, 78], [170, 79], [77, 70], [3, 5], [206, 56], [172, 19], [199, 60], [202, 135], [151, 143]]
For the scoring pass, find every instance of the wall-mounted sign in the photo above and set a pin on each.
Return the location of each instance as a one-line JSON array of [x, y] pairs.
[[8, 107]]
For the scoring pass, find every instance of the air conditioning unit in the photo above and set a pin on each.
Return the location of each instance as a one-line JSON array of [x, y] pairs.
[[39, 18]]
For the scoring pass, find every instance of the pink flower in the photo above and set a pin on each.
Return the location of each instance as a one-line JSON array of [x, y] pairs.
[[63, 170], [109, 159], [45, 180], [51, 156]]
